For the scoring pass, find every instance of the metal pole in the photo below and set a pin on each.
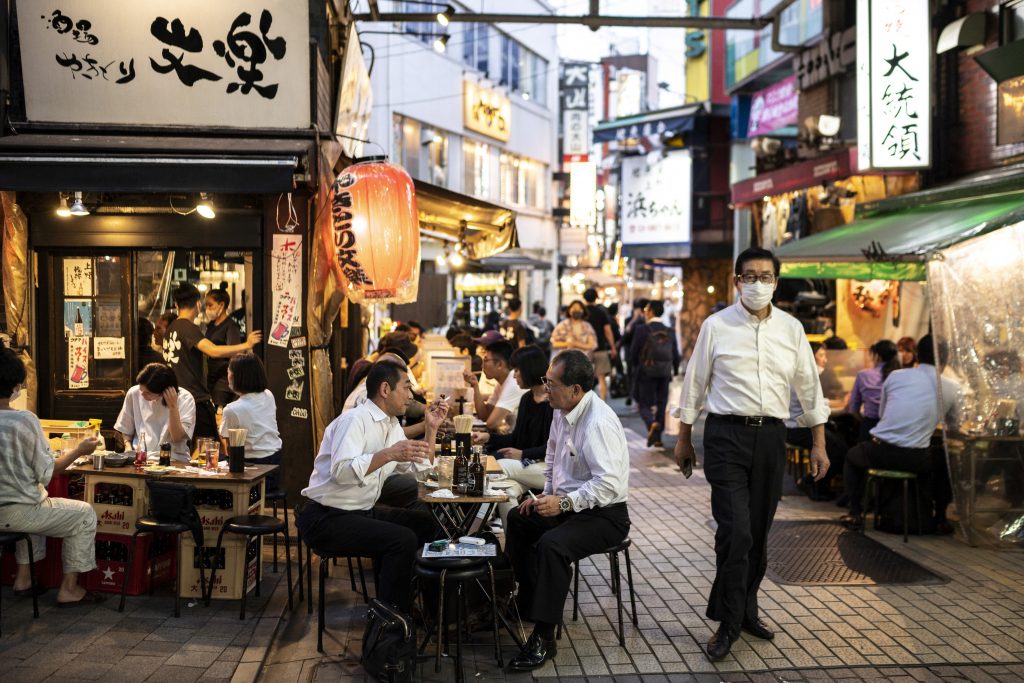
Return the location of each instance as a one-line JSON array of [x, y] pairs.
[[592, 21]]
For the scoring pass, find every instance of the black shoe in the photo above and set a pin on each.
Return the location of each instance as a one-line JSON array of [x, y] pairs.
[[758, 629], [533, 655], [853, 522], [721, 642]]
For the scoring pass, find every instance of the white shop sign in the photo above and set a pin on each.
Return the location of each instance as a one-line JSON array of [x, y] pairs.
[[656, 195]]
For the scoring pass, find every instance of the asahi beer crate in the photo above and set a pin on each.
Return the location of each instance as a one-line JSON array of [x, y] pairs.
[[216, 504], [229, 561], [112, 552], [118, 502]]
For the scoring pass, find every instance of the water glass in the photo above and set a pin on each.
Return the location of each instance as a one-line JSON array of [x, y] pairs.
[[445, 469], [213, 455]]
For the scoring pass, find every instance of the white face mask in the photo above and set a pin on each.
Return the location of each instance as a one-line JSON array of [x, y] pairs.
[[756, 295]]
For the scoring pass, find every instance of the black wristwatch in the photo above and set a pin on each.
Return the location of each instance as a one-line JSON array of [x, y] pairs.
[[564, 504]]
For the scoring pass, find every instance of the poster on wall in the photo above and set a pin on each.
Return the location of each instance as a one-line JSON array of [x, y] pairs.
[[77, 318], [286, 271], [655, 198], [189, 63], [284, 318], [78, 277], [446, 374], [108, 348], [78, 362]]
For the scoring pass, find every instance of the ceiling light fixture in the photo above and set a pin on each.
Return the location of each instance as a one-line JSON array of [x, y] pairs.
[[441, 261], [445, 17], [456, 260], [205, 207], [77, 207], [441, 44], [62, 209]]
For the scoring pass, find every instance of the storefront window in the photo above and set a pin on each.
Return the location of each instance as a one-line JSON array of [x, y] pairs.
[[510, 64], [422, 150], [533, 71], [476, 47], [477, 169], [521, 181]]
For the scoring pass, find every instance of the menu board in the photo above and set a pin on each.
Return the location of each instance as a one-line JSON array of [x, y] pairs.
[[446, 373]]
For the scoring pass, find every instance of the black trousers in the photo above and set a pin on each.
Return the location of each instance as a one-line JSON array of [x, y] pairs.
[[206, 420], [744, 465], [390, 536], [542, 550], [652, 398], [881, 455], [401, 491]]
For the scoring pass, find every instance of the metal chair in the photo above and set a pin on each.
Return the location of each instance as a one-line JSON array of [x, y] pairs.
[[876, 476], [10, 538], [613, 561]]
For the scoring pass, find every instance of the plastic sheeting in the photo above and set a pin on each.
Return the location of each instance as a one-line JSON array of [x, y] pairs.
[[16, 287], [978, 312]]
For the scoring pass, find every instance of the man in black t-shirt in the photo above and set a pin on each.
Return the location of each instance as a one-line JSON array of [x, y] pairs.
[[186, 349], [597, 316], [513, 329]]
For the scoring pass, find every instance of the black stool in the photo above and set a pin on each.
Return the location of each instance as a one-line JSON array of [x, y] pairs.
[[875, 476], [277, 497], [253, 526], [613, 562], [167, 496], [458, 570], [10, 538]]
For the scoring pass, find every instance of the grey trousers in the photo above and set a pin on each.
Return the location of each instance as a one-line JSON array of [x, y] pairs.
[[72, 520]]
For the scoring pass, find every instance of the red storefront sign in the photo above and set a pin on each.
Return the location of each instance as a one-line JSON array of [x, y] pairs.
[[806, 174]]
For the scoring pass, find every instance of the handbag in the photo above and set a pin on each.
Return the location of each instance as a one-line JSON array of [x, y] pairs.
[[389, 644], [175, 503]]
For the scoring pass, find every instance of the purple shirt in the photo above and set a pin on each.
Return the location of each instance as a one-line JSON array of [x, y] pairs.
[[867, 392]]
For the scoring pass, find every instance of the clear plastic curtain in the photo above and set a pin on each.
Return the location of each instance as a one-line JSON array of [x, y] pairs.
[[978, 317]]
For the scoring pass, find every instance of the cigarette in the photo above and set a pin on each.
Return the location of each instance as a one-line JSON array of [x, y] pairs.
[[533, 495]]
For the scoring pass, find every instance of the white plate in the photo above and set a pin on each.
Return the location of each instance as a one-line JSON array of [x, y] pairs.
[[430, 484], [502, 485], [498, 477]]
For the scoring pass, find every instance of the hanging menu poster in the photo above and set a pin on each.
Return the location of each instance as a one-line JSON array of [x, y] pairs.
[[78, 362], [78, 277], [284, 318], [286, 270], [78, 317], [108, 348]]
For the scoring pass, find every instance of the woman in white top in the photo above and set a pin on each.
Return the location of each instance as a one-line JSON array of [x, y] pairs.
[[157, 411], [574, 332], [256, 412]]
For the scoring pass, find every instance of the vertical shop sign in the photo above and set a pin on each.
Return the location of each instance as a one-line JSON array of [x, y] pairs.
[[78, 362], [575, 111], [655, 205], [284, 318], [286, 270], [893, 84], [582, 193]]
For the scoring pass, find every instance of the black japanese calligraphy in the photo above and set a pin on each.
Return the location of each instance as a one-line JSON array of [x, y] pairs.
[[900, 109], [174, 34], [88, 67], [344, 237], [245, 51], [79, 30]]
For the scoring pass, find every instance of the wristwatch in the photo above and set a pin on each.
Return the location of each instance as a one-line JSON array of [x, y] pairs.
[[564, 504]]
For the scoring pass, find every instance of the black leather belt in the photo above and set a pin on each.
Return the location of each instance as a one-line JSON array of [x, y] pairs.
[[749, 421]]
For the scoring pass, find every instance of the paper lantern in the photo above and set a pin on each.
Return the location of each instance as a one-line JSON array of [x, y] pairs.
[[375, 233]]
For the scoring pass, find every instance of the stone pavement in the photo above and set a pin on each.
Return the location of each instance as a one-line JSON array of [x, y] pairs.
[[969, 629]]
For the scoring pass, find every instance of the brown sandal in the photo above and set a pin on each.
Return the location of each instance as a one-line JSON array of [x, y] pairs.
[[89, 598]]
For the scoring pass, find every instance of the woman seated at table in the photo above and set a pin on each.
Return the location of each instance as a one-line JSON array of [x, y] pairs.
[[521, 454], [157, 410], [26, 467], [256, 412]]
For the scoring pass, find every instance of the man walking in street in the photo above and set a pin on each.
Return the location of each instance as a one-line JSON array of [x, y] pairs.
[[597, 316], [654, 353], [582, 510], [745, 360]]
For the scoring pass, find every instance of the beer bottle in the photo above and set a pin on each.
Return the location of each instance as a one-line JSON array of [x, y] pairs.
[[460, 474], [476, 475], [165, 455]]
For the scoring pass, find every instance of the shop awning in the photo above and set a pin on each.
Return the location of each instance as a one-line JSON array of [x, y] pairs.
[[485, 229], [676, 120], [511, 260], [896, 245], [99, 163]]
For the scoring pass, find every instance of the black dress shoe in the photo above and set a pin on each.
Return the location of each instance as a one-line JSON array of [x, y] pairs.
[[721, 642], [758, 629], [533, 655], [853, 522]]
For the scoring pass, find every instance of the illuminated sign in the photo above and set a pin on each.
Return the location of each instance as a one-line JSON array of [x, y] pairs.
[[893, 84], [582, 193], [655, 203], [486, 111]]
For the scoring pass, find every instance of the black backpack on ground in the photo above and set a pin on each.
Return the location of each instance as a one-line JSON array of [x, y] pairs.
[[389, 644], [656, 356]]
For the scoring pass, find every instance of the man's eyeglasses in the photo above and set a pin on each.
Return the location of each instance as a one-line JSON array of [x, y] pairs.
[[550, 383], [763, 278]]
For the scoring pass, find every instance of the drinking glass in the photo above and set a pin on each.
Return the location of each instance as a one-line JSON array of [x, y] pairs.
[[445, 469], [213, 454]]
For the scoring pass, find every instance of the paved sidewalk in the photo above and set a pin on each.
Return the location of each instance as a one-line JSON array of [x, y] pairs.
[[971, 628]]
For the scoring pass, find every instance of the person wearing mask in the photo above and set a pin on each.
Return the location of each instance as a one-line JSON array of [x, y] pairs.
[[867, 387], [908, 351], [521, 453], [360, 449], [655, 355], [514, 330], [256, 412], [635, 322], [582, 510], [147, 354], [574, 332], [26, 467], [746, 361], [222, 331], [912, 403], [186, 350], [159, 411], [500, 407], [597, 316]]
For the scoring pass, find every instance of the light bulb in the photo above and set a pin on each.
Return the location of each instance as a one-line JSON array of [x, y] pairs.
[[456, 260], [440, 260], [444, 18], [205, 207], [62, 209], [441, 44], [77, 207]]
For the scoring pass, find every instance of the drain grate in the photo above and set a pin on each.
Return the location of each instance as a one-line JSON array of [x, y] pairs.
[[826, 553]]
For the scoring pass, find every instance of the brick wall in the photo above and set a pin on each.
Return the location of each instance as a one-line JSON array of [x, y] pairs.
[[976, 143], [815, 102]]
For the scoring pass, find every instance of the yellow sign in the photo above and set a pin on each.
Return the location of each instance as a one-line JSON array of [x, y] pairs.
[[698, 85], [486, 111]]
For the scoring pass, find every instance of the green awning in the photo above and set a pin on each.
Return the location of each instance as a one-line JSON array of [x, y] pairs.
[[907, 238]]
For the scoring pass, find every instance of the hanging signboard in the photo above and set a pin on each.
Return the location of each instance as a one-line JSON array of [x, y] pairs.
[[773, 108], [893, 84], [486, 111], [582, 191], [355, 98], [655, 205], [574, 88], [148, 62]]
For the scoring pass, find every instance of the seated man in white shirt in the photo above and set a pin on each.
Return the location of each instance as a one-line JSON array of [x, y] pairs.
[[910, 409], [501, 407], [361, 448], [582, 510], [155, 411]]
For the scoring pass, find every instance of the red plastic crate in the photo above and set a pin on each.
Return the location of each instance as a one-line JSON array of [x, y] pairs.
[[49, 571], [111, 561]]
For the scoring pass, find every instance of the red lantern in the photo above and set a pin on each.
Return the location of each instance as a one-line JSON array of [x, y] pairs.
[[375, 233]]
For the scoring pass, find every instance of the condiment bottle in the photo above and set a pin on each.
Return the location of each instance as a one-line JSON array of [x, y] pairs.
[[165, 455]]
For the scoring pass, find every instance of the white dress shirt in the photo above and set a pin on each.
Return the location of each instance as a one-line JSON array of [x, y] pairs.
[[745, 366], [339, 478], [257, 413], [910, 406], [139, 416], [587, 458], [357, 397]]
